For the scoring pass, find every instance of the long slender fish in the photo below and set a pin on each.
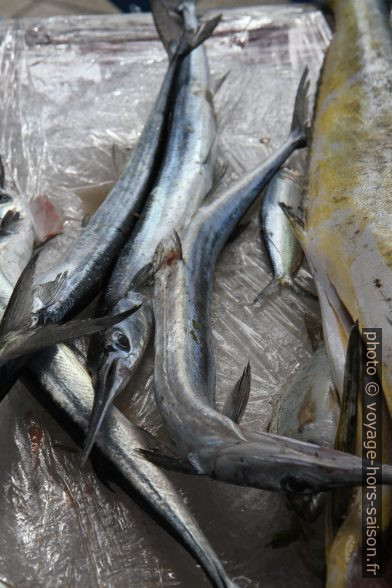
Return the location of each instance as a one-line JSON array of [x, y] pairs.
[[184, 366], [89, 258], [76, 279], [63, 385], [348, 209], [186, 176], [18, 339], [60, 382], [283, 248]]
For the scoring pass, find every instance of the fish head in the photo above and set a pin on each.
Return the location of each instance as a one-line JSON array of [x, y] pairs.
[[122, 346], [277, 463]]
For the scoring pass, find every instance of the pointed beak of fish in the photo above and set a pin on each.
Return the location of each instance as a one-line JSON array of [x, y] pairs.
[[111, 379]]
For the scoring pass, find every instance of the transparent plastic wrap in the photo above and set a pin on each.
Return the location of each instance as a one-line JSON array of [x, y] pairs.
[[74, 95]]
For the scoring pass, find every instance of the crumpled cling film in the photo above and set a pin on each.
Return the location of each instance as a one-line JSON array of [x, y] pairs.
[[74, 95]]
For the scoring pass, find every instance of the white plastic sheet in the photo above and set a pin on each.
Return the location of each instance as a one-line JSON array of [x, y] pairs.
[[74, 91]]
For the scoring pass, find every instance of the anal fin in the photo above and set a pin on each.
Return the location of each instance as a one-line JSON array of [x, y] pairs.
[[237, 400]]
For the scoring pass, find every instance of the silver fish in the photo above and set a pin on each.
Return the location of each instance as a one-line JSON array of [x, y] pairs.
[[310, 407], [186, 176], [212, 443], [16, 236], [89, 258], [76, 279], [18, 339], [309, 411], [63, 385], [283, 248]]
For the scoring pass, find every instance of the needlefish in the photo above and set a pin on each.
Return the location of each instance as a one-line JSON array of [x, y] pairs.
[[185, 177], [209, 442], [60, 381], [74, 281]]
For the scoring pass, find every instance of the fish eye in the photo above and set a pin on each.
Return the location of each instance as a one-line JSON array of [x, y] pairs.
[[120, 341], [290, 483], [5, 198]]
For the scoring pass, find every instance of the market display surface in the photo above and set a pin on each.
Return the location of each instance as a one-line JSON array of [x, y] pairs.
[[76, 95]]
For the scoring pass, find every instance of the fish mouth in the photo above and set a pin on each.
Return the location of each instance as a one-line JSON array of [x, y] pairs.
[[111, 379]]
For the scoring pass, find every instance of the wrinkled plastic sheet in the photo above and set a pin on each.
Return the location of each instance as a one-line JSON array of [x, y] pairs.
[[74, 94]]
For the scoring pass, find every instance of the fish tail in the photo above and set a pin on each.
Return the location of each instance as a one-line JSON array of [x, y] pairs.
[[274, 286], [271, 288], [280, 283], [177, 38], [300, 125], [32, 339]]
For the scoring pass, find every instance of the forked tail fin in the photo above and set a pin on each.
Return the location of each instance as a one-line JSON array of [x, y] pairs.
[[177, 39]]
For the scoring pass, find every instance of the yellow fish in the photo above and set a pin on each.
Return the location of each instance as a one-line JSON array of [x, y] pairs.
[[347, 229], [348, 226]]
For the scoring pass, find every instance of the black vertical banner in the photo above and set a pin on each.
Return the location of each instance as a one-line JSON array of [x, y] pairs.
[[371, 453]]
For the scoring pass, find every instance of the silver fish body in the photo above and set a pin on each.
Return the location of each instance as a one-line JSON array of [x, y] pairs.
[[310, 407], [184, 376], [16, 239], [184, 385], [89, 258], [282, 246], [185, 177], [309, 411], [61, 383]]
